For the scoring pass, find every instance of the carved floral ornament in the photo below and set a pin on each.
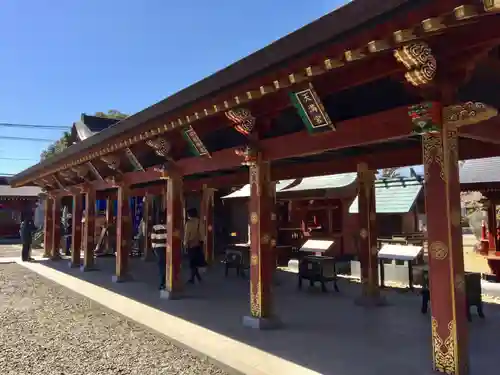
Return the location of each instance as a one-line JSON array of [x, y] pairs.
[[242, 119], [112, 161], [444, 350], [419, 61], [161, 146], [468, 113]]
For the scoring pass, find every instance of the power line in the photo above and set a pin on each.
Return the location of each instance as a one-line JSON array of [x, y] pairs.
[[26, 139], [33, 126], [27, 159]]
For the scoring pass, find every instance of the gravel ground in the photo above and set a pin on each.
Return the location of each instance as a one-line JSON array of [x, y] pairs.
[[47, 329]]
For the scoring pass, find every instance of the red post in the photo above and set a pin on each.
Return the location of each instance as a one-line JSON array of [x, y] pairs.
[[262, 244], [123, 235], [89, 230], [446, 263], [492, 226], [207, 220], [76, 231], [368, 251], [175, 214], [56, 229]]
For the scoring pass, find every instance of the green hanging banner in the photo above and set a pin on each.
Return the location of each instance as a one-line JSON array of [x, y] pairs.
[[195, 144], [311, 110]]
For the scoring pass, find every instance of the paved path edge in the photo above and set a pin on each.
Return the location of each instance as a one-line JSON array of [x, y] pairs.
[[231, 355]]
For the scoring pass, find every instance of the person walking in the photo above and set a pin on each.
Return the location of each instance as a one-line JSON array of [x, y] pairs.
[[193, 244], [26, 232], [159, 245]]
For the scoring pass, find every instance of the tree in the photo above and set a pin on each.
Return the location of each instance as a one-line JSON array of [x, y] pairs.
[[112, 113], [58, 146], [65, 141]]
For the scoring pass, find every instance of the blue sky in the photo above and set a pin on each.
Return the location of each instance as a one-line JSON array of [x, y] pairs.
[[59, 58]]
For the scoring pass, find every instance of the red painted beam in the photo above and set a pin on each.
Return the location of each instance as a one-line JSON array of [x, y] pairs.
[[487, 131], [468, 149], [380, 127]]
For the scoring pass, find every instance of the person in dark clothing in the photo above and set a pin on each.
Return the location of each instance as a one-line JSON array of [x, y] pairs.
[[26, 231], [159, 244], [193, 240]]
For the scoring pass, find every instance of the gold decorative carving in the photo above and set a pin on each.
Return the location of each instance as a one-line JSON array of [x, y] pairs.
[[254, 260], [242, 119], [374, 250], [254, 218], [444, 350], [491, 5], [419, 61], [255, 300], [363, 233], [112, 161], [273, 243], [433, 153], [273, 216], [209, 228], [160, 146], [176, 233], [468, 113], [438, 250]]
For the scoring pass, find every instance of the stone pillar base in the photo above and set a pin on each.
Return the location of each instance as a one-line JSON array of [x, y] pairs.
[[88, 268], [371, 301], [166, 294], [55, 257], [262, 323], [122, 278]]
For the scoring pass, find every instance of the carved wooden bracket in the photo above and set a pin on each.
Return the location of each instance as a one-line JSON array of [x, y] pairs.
[[242, 119], [82, 171], [419, 61], [112, 161], [249, 154], [467, 113], [160, 146]]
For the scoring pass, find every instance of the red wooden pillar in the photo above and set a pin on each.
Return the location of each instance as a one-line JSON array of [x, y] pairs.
[[89, 230], [446, 263], [109, 222], [147, 215], [76, 231], [173, 201], [207, 220], [368, 251], [262, 243], [492, 225], [47, 226], [56, 229], [123, 235]]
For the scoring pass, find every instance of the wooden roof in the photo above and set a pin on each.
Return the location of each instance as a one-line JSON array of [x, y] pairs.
[[360, 33]]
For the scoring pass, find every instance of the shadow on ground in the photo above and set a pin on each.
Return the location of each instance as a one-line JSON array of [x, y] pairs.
[[327, 333]]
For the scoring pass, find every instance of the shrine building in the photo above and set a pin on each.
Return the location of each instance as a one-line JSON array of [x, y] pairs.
[[373, 84]]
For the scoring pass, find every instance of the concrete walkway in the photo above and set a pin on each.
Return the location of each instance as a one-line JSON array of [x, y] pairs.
[[323, 334], [229, 353]]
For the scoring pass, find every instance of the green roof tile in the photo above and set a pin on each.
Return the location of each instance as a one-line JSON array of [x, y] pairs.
[[392, 199]]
